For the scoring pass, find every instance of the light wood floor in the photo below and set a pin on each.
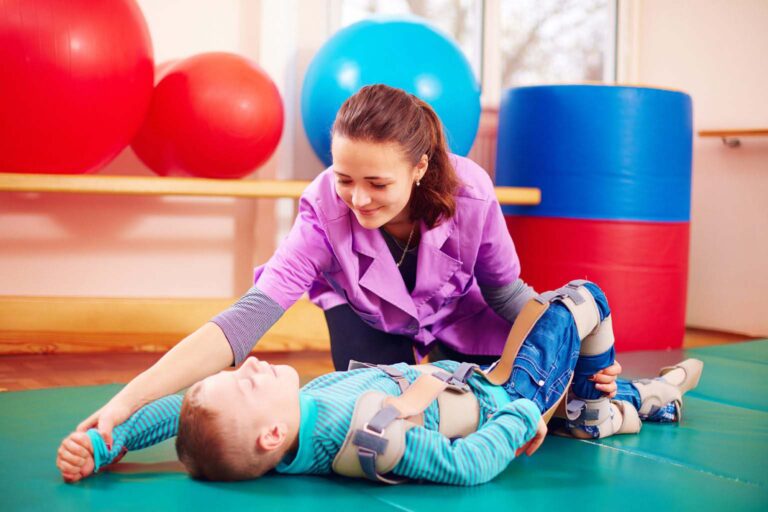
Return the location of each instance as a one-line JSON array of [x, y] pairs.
[[58, 370]]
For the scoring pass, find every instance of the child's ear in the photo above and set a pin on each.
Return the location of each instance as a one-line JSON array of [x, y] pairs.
[[272, 437]]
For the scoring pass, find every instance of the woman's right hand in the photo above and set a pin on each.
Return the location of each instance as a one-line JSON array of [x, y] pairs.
[[107, 418], [202, 353]]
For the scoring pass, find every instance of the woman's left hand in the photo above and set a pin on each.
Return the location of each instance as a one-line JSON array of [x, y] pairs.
[[605, 379]]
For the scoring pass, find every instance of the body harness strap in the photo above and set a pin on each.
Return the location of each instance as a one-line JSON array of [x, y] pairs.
[[380, 421], [365, 453]]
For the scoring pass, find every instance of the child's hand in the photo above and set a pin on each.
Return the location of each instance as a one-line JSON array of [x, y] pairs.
[[531, 446], [75, 457]]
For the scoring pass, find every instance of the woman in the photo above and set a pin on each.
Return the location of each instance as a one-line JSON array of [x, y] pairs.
[[402, 244]]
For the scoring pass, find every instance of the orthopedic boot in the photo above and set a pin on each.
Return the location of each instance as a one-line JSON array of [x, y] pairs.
[[673, 382]]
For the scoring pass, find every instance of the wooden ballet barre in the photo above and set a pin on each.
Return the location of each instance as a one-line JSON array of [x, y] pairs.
[[139, 185], [731, 137]]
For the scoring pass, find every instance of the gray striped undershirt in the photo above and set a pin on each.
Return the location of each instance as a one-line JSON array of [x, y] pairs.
[[246, 321], [507, 301]]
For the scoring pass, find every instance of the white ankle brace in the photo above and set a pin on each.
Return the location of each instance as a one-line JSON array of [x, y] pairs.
[[592, 419]]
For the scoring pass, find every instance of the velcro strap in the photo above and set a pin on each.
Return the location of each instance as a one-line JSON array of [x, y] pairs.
[[588, 412], [458, 380], [371, 441], [561, 293], [355, 365], [382, 419], [368, 465], [462, 373], [388, 369], [579, 301], [391, 371]]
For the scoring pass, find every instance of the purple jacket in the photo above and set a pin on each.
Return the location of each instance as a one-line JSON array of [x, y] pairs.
[[328, 254]]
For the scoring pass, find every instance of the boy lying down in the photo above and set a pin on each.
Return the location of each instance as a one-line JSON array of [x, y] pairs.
[[446, 422]]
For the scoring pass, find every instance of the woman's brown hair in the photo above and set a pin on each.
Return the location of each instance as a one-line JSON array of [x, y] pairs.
[[379, 113]]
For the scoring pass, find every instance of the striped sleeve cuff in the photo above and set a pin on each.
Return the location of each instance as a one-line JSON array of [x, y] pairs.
[[246, 321], [507, 301]]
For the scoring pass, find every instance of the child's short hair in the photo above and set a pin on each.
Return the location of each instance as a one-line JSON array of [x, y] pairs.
[[203, 446]]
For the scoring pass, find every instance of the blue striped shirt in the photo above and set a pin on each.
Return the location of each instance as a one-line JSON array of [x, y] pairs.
[[327, 404]]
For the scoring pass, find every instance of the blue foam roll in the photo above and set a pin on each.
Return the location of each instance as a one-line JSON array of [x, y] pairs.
[[598, 152]]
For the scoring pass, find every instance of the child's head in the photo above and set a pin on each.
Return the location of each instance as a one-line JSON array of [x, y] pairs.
[[238, 424]]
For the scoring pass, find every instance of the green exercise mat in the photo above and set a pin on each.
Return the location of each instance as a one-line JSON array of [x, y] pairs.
[[716, 459]]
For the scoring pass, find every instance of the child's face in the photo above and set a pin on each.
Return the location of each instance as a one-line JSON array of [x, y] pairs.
[[255, 397]]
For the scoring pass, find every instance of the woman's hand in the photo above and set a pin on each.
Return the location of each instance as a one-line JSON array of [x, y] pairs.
[[531, 446], [605, 379], [106, 419]]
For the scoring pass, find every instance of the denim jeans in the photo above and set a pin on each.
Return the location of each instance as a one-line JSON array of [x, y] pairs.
[[550, 355]]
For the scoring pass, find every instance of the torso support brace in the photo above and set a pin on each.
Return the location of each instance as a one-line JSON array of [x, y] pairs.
[[375, 442]]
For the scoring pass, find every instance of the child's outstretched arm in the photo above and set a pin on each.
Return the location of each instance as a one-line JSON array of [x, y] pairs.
[[479, 457], [84, 453]]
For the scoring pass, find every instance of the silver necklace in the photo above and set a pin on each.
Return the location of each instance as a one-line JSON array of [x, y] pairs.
[[407, 244]]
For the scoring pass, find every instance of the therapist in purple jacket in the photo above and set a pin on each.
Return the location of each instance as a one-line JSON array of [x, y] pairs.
[[400, 242]]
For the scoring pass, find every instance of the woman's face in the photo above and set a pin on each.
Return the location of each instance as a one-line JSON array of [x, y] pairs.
[[374, 179]]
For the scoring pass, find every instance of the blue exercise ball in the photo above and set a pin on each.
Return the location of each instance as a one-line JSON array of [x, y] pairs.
[[406, 53]]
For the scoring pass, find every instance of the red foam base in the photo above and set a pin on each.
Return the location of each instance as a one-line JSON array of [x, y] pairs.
[[641, 266]]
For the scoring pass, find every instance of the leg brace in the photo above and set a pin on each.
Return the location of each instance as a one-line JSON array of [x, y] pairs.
[[601, 417]]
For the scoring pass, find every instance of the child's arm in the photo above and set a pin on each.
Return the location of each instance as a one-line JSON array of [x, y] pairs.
[[478, 457], [150, 425], [202, 353]]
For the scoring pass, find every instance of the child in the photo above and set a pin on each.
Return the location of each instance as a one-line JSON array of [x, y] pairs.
[[241, 424]]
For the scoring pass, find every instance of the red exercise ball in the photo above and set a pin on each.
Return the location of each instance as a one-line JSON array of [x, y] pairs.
[[214, 115], [76, 83]]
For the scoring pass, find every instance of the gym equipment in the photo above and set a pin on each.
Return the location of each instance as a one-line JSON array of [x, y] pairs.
[[406, 53], [213, 115], [76, 83]]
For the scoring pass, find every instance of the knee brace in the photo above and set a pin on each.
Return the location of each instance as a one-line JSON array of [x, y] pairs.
[[596, 336]]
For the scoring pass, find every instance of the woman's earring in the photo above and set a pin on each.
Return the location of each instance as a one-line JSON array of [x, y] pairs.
[[418, 182]]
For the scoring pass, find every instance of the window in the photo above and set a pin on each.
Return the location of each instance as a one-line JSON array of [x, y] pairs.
[[461, 19], [525, 41], [546, 41]]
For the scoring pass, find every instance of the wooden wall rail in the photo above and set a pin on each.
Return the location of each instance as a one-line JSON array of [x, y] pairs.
[[78, 324], [139, 185], [46, 325], [732, 138]]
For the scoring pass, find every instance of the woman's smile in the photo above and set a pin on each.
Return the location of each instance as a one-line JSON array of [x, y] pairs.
[[368, 212]]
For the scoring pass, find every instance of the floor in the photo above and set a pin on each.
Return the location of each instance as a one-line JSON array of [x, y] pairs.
[[713, 460], [58, 370]]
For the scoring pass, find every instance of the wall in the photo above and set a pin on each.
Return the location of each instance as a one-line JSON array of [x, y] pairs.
[[715, 51], [69, 245]]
